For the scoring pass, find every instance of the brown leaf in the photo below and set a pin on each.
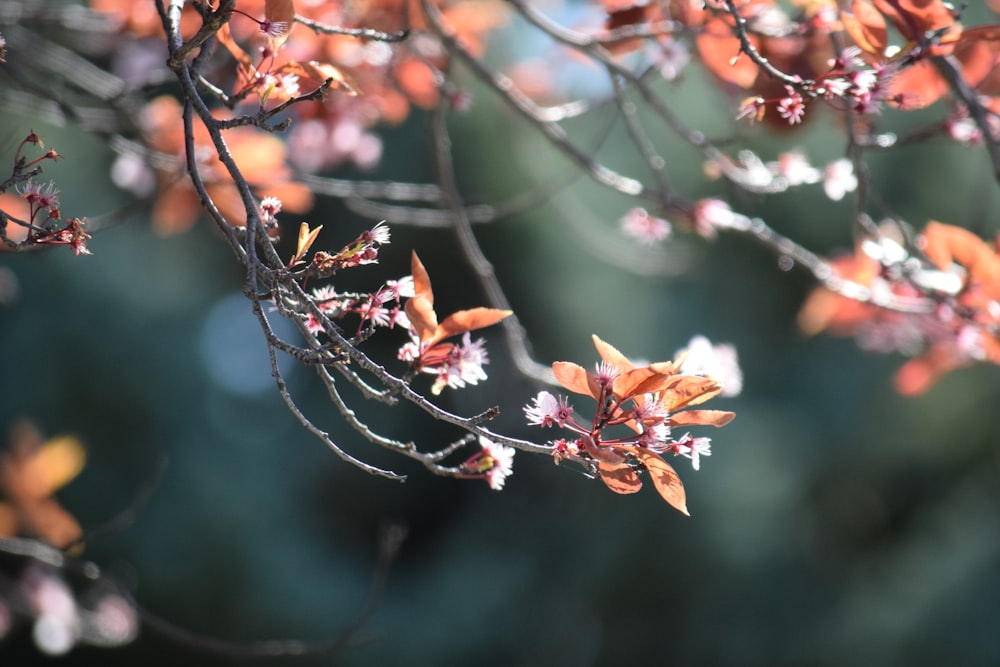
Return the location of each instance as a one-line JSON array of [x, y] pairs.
[[664, 478], [620, 478]]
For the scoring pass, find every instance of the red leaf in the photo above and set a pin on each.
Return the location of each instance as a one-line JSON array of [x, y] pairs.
[[866, 26], [620, 477], [920, 85], [916, 18], [664, 478]]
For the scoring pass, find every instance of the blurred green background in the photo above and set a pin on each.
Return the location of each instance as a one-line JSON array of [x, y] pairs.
[[835, 522]]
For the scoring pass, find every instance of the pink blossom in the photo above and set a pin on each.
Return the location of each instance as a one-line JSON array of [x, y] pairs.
[[795, 168], [270, 207], [647, 229], [548, 410], [41, 196], [463, 365], [115, 620], [839, 179], [711, 215], [694, 449], [718, 362], [502, 458], [401, 288], [792, 108]]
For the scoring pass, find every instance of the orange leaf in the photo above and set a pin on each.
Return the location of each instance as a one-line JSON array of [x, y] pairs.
[[48, 521], [620, 478], [421, 281], [306, 238], [702, 418], [866, 26], [295, 197], [58, 462], [322, 72], [469, 320], [918, 375], [685, 390], [225, 38], [30, 472], [944, 244], [9, 523], [281, 14], [664, 478], [631, 382], [611, 355], [721, 53], [575, 378], [422, 316], [418, 81]]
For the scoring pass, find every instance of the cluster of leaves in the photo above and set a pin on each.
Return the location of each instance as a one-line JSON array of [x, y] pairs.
[[788, 62], [329, 75], [651, 401], [274, 55], [940, 296]]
